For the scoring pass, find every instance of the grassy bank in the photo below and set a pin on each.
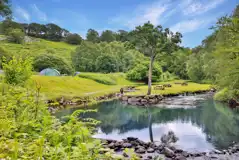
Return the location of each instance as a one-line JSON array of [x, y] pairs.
[[175, 89], [69, 87]]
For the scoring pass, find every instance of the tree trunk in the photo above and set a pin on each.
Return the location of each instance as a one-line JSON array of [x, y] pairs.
[[150, 75]]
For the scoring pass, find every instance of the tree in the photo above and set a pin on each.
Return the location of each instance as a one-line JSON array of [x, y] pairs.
[[5, 8], [16, 36], [140, 72], [92, 36], [83, 58], [108, 36], [122, 36], [50, 61], [107, 64], [74, 39], [152, 41]]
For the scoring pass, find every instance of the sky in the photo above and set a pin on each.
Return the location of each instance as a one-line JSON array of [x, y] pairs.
[[192, 18]]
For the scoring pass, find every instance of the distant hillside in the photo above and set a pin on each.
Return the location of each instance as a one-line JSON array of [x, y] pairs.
[[36, 46]]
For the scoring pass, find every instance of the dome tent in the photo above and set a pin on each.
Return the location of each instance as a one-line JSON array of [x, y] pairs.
[[50, 72]]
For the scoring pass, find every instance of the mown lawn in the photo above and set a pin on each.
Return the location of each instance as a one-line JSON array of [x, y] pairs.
[[73, 87], [176, 88]]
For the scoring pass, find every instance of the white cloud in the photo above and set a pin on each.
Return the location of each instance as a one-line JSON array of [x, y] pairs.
[[41, 15], [22, 14], [190, 25], [196, 7], [143, 13]]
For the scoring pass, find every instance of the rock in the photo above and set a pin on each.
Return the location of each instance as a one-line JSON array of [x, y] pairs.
[[133, 99], [180, 157], [125, 98], [150, 150], [178, 151], [125, 155], [118, 144], [111, 145], [132, 138], [139, 156], [127, 145], [150, 157], [140, 150], [185, 154], [117, 149], [168, 152], [217, 151], [233, 103]]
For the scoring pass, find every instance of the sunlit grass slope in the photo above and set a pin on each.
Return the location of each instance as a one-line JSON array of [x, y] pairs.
[[40, 46]]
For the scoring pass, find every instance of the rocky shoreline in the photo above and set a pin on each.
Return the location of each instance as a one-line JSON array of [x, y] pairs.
[[151, 150], [143, 100]]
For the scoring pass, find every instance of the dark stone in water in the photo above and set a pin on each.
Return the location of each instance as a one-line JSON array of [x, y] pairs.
[[150, 150], [140, 150], [180, 157], [127, 145], [125, 155], [168, 152], [111, 145], [132, 139]]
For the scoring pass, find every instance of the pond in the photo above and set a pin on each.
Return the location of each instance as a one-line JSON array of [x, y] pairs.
[[200, 123]]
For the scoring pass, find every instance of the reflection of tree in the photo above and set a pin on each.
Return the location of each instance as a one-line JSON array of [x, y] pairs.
[[220, 124]]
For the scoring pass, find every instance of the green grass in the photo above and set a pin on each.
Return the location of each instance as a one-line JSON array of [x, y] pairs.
[[73, 87], [108, 79], [175, 89], [40, 46]]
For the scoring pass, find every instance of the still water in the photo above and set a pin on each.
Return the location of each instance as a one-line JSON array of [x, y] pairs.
[[200, 123]]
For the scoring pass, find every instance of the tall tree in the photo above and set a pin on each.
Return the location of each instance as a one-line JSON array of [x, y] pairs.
[[5, 8], [153, 41], [92, 36], [108, 36]]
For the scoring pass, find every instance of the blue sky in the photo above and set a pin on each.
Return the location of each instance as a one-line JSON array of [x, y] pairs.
[[190, 17]]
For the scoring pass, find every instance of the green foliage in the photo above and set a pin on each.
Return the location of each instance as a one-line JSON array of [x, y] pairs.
[[194, 68], [106, 64], [28, 131], [222, 95], [4, 55], [16, 36], [217, 59], [50, 61], [152, 41], [108, 36], [17, 70], [92, 36], [166, 76], [104, 57], [5, 8], [140, 72], [74, 39]]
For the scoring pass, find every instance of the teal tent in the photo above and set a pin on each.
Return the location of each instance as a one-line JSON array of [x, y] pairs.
[[50, 72]]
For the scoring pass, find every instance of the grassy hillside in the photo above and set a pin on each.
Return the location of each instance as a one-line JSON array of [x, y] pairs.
[[40, 46]]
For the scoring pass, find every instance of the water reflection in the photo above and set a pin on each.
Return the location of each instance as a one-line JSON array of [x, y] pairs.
[[203, 126]]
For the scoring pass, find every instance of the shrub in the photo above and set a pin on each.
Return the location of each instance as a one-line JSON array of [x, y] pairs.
[[166, 76], [140, 72], [17, 71], [106, 64], [16, 36], [5, 54], [73, 39], [50, 61]]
